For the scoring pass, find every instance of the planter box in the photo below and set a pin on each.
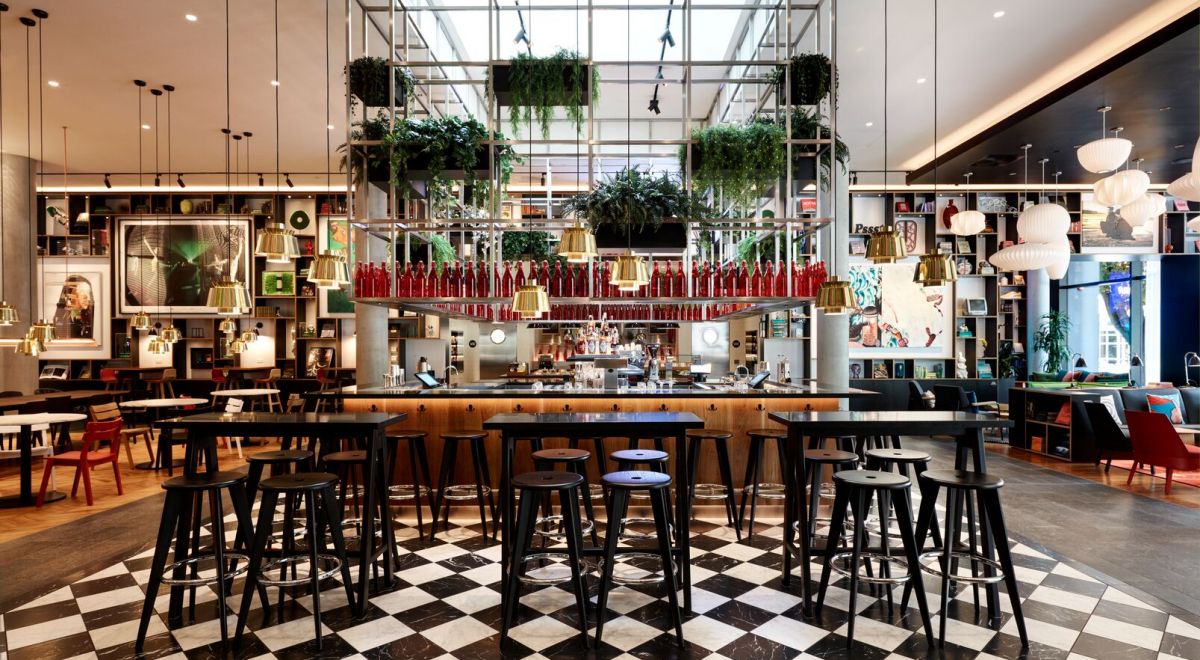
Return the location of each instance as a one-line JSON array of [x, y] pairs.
[[671, 236], [502, 83]]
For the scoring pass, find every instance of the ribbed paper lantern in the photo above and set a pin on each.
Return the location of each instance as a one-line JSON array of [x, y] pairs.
[[1143, 209], [967, 223], [1123, 187], [1061, 261], [1186, 186], [1024, 256], [1104, 155], [1043, 223], [1193, 225]]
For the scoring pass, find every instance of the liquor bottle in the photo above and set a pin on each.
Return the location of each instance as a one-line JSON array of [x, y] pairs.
[[444, 289], [556, 280], [405, 286], [519, 276], [679, 289], [368, 280], [433, 285], [705, 281], [781, 276], [483, 285], [656, 282], [581, 278], [469, 282], [456, 280], [743, 278], [755, 281], [384, 286], [544, 279], [695, 286], [506, 282], [731, 274], [798, 287], [567, 286], [768, 281], [359, 289], [718, 280]]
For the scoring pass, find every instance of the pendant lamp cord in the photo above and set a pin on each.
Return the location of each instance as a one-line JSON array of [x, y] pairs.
[[42, 151], [228, 132], [935, 107], [169, 89], [29, 152], [885, 100], [277, 102], [3, 282]]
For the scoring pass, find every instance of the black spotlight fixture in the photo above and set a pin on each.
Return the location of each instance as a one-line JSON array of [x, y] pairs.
[[107, 183], [659, 75], [260, 179], [522, 37], [157, 180], [287, 178], [654, 106], [667, 38], [179, 181]]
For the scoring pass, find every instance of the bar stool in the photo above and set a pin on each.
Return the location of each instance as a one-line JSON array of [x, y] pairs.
[[753, 489], [447, 492], [279, 462], [535, 486], [418, 462], [574, 461], [814, 460], [722, 491], [184, 493], [350, 467], [854, 489], [908, 462], [269, 382], [653, 460], [218, 377], [621, 484], [163, 384], [987, 488], [315, 489]]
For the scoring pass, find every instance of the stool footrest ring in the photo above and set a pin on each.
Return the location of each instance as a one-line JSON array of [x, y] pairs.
[[330, 564], [650, 578], [549, 526], [839, 563], [709, 491], [972, 560], [199, 581], [463, 492], [585, 566]]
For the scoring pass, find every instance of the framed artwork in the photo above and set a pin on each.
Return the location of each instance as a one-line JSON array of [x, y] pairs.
[[169, 266], [334, 235], [912, 233], [1105, 231], [74, 296], [299, 215], [897, 317], [278, 283], [319, 357], [858, 246]]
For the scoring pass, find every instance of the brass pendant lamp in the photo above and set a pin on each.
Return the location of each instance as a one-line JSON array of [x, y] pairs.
[[41, 332], [630, 272], [328, 269], [8, 313], [578, 244], [885, 246], [531, 301], [834, 296], [227, 326], [935, 269], [275, 241]]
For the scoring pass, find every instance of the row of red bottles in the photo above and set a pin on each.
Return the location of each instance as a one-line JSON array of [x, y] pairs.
[[667, 280]]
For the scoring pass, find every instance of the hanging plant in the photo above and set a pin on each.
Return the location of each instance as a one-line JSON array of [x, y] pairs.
[[632, 201], [739, 162], [376, 157], [369, 82], [537, 85], [811, 79], [442, 143], [811, 125]]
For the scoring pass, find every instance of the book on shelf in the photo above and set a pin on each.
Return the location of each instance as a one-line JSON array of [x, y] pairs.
[[1181, 204], [1064, 414]]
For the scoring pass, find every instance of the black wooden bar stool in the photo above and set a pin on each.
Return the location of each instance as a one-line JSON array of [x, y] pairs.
[[573, 460], [349, 467], [316, 490], [854, 489], [480, 491], [278, 462], [752, 489], [635, 459], [535, 485], [722, 491], [418, 463], [182, 493], [910, 463], [814, 462], [621, 484], [942, 562]]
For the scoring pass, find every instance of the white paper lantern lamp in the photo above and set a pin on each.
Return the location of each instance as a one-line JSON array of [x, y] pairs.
[[1043, 223]]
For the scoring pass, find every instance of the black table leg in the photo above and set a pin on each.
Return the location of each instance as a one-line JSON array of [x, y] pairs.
[[378, 445], [683, 515], [366, 539], [506, 504]]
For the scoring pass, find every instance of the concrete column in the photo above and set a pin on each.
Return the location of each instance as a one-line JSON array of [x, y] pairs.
[[833, 331], [370, 321], [1037, 287], [18, 372]]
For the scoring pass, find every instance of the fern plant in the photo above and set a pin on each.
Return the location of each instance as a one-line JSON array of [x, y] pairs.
[[811, 125], [632, 201], [739, 162], [368, 81], [811, 79], [539, 84]]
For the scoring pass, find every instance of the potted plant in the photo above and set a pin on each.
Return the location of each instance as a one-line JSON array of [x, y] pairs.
[[368, 81], [442, 147], [1051, 339], [533, 86], [739, 162], [377, 170], [811, 125], [811, 79], [621, 210]]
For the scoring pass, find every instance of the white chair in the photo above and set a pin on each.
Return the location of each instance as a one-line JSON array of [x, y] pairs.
[[233, 405]]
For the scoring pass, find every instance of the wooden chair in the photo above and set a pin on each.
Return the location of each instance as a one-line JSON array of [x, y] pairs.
[[163, 384], [219, 378], [295, 404], [85, 460], [270, 381], [108, 412], [1155, 442], [328, 383]]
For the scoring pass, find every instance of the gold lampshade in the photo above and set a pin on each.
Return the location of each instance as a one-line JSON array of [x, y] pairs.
[[277, 244], [578, 245], [531, 301], [248, 336], [885, 246], [329, 271], [236, 346], [43, 332], [140, 321], [8, 314], [29, 346], [158, 347], [835, 296], [630, 273], [229, 297], [935, 270], [170, 334], [227, 326]]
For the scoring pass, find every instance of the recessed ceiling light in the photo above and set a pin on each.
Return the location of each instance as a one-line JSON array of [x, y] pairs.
[[920, 81], [870, 124], [998, 14], [275, 83], [52, 83], [329, 126], [145, 127], [191, 17], [859, 49]]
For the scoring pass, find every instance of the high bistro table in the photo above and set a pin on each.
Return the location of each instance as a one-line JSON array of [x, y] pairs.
[[969, 453], [591, 425], [203, 430], [24, 426], [163, 458]]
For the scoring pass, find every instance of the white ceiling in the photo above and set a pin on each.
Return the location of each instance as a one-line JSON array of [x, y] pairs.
[[95, 50]]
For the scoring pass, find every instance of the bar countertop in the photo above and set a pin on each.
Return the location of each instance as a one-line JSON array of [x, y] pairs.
[[501, 390]]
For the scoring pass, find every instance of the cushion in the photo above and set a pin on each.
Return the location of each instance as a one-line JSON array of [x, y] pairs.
[[1171, 406], [1110, 402]]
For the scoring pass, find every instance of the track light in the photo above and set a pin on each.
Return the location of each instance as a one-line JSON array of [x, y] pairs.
[[654, 106], [157, 180], [522, 37], [659, 75], [179, 181], [667, 38], [287, 178], [260, 179], [107, 183]]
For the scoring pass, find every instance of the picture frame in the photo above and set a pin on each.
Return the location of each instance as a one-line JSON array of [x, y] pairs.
[[903, 207], [963, 246], [278, 283], [333, 235], [1181, 204], [858, 246], [318, 357], [196, 333], [75, 295]]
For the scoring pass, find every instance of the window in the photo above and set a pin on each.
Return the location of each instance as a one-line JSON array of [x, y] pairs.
[[1103, 300]]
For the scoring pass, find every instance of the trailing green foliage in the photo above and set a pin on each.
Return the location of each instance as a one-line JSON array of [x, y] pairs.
[[369, 81], [811, 125], [633, 201], [443, 251], [1051, 338], [526, 245], [738, 161], [442, 143], [539, 84], [811, 79]]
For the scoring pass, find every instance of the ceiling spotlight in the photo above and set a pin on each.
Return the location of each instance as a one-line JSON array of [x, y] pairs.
[[522, 37], [329, 126], [157, 180], [52, 83], [192, 18], [870, 124], [145, 127], [275, 83], [107, 183], [920, 81], [659, 75], [287, 178], [667, 38], [179, 181], [654, 107], [260, 179], [998, 14]]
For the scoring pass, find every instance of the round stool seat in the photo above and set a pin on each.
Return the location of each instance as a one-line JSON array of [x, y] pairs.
[[205, 481], [406, 435], [562, 455], [963, 479], [777, 434], [300, 481], [871, 479], [352, 456], [709, 434], [636, 480], [829, 456], [547, 480], [639, 456], [464, 435], [280, 456], [898, 455]]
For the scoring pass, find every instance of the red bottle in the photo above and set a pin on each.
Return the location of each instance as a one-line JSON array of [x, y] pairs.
[[567, 286], [519, 276], [705, 284], [680, 287], [781, 280], [581, 279], [469, 282], [404, 283], [656, 281], [798, 288], [743, 280], [359, 289], [483, 284], [418, 280], [368, 280], [731, 280], [506, 282], [755, 281], [433, 287], [456, 282], [695, 286], [768, 281], [556, 280], [383, 283], [544, 278], [718, 283]]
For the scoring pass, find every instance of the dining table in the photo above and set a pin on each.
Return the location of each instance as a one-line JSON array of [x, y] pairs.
[[247, 393], [77, 397], [24, 426], [163, 458]]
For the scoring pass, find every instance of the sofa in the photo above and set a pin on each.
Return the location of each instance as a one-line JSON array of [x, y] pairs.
[[1134, 398], [1065, 378]]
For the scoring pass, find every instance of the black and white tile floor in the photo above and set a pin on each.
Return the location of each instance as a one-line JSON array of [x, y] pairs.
[[447, 605]]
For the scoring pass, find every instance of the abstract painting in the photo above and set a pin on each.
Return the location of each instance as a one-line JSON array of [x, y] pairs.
[[74, 297], [319, 357], [169, 266], [334, 236], [898, 318], [1105, 231]]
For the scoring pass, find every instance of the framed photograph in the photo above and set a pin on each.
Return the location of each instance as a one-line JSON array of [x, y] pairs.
[[945, 247], [1181, 204], [278, 283], [963, 246], [169, 266], [880, 370], [903, 207], [856, 370], [1106, 232], [77, 302], [333, 235], [319, 357]]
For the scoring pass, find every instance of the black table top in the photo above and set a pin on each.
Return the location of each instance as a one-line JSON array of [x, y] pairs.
[[595, 422], [301, 423], [905, 422]]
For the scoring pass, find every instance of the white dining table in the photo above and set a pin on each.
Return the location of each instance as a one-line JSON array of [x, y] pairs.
[[24, 426]]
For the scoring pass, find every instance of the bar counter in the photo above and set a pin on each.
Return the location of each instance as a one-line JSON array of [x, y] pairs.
[[467, 406]]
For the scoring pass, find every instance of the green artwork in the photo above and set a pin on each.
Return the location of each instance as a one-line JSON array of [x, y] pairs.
[[278, 284], [337, 240]]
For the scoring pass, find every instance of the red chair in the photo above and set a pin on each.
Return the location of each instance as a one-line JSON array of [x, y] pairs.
[[219, 377], [1155, 442], [85, 459]]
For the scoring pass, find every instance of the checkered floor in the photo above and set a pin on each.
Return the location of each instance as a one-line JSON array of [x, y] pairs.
[[447, 605]]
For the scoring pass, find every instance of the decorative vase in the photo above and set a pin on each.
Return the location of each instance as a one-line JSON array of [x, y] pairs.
[[185, 207]]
